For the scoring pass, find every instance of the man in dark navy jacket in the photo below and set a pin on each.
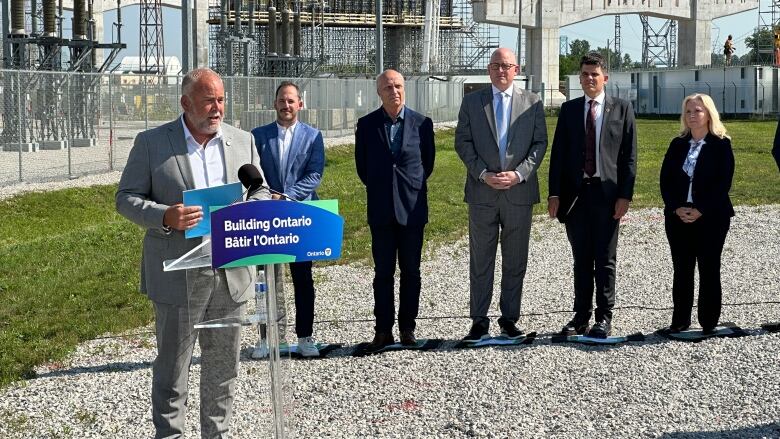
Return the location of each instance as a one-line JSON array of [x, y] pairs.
[[394, 154], [776, 148]]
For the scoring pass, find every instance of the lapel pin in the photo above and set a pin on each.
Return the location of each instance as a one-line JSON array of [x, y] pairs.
[[227, 142]]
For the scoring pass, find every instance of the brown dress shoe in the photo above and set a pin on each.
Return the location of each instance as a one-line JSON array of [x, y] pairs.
[[407, 338], [381, 340]]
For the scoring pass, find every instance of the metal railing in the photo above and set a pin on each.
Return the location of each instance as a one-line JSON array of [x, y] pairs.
[[57, 125]]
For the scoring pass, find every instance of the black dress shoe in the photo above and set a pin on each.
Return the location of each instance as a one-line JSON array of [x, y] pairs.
[[478, 332], [574, 327], [509, 330], [710, 330], [380, 341], [600, 329], [673, 329], [407, 338]]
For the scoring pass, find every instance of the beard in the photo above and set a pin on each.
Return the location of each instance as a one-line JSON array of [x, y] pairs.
[[209, 126]]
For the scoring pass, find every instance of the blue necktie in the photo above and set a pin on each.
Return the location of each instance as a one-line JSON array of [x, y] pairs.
[[501, 128]]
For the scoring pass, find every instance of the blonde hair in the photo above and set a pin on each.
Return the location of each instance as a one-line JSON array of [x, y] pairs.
[[715, 126]]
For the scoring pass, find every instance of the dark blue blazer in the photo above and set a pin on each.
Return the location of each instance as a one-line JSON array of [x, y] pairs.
[[711, 177], [305, 160], [396, 188], [776, 148]]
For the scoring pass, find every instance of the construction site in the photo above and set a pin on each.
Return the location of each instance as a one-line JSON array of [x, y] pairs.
[[296, 39], [61, 90]]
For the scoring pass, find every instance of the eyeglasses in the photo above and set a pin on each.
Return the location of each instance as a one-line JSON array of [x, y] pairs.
[[504, 67]]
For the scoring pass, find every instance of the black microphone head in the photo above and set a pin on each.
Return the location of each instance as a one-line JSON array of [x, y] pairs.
[[250, 176]]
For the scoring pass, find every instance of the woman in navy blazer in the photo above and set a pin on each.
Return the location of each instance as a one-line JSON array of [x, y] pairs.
[[695, 181]]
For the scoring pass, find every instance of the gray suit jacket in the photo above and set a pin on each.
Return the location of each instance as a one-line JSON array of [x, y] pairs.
[[476, 142], [156, 173]]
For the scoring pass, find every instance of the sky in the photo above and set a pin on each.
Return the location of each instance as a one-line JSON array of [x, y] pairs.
[[596, 31]]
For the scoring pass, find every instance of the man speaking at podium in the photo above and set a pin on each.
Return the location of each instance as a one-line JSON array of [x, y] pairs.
[[194, 151], [293, 157]]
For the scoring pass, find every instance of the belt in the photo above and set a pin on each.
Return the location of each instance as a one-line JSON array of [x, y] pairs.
[[591, 180]]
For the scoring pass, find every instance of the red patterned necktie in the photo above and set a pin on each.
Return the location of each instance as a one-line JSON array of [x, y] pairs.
[[590, 140]]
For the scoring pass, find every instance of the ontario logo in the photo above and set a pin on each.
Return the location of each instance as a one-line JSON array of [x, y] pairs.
[[326, 252]]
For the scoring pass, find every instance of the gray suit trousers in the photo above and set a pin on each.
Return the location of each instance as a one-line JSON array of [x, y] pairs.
[[209, 298], [487, 223]]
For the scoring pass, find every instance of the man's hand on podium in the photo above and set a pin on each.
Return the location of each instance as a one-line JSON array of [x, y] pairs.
[[181, 217]]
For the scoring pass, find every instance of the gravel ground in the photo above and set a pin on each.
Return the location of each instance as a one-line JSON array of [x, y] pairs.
[[656, 388]]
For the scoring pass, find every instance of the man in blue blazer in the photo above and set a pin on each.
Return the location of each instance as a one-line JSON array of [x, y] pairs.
[[294, 158], [394, 154]]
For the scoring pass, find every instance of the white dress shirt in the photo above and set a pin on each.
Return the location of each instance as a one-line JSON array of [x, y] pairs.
[[285, 136], [598, 121], [206, 161], [507, 104], [508, 113]]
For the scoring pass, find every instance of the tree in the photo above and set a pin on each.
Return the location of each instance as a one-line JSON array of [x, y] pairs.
[[614, 62], [761, 39], [570, 64], [578, 48]]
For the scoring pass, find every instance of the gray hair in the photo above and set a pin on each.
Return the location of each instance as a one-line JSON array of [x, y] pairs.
[[383, 74], [193, 76]]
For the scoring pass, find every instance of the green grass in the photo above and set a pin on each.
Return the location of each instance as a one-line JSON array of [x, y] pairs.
[[755, 181], [69, 272], [69, 268]]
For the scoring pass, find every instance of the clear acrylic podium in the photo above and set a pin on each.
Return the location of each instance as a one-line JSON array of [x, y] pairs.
[[266, 315]]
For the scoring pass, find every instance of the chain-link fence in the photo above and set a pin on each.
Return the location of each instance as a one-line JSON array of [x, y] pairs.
[[61, 125]]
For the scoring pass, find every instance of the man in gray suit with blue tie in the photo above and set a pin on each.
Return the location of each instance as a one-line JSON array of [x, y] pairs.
[[293, 158], [501, 137], [192, 152]]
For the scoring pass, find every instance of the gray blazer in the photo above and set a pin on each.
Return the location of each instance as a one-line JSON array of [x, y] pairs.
[[476, 142], [156, 173]]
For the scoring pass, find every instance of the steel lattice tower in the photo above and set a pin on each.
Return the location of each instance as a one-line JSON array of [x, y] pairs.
[[152, 50], [659, 47]]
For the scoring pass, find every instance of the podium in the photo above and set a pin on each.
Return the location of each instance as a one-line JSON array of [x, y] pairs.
[[265, 233]]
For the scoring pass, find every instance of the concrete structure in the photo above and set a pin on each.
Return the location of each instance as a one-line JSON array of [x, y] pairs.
[[542, 21]]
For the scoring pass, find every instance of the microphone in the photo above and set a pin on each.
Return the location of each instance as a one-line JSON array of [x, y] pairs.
[[252, 179]]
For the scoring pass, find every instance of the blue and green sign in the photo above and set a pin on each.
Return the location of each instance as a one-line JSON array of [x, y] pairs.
[[275, 231]]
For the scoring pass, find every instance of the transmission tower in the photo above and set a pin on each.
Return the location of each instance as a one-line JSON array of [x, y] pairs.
[[152, 50], [659, 47], [563, 46]]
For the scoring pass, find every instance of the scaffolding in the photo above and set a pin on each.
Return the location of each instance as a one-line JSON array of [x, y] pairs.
[[768, 27], [338, 37]]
